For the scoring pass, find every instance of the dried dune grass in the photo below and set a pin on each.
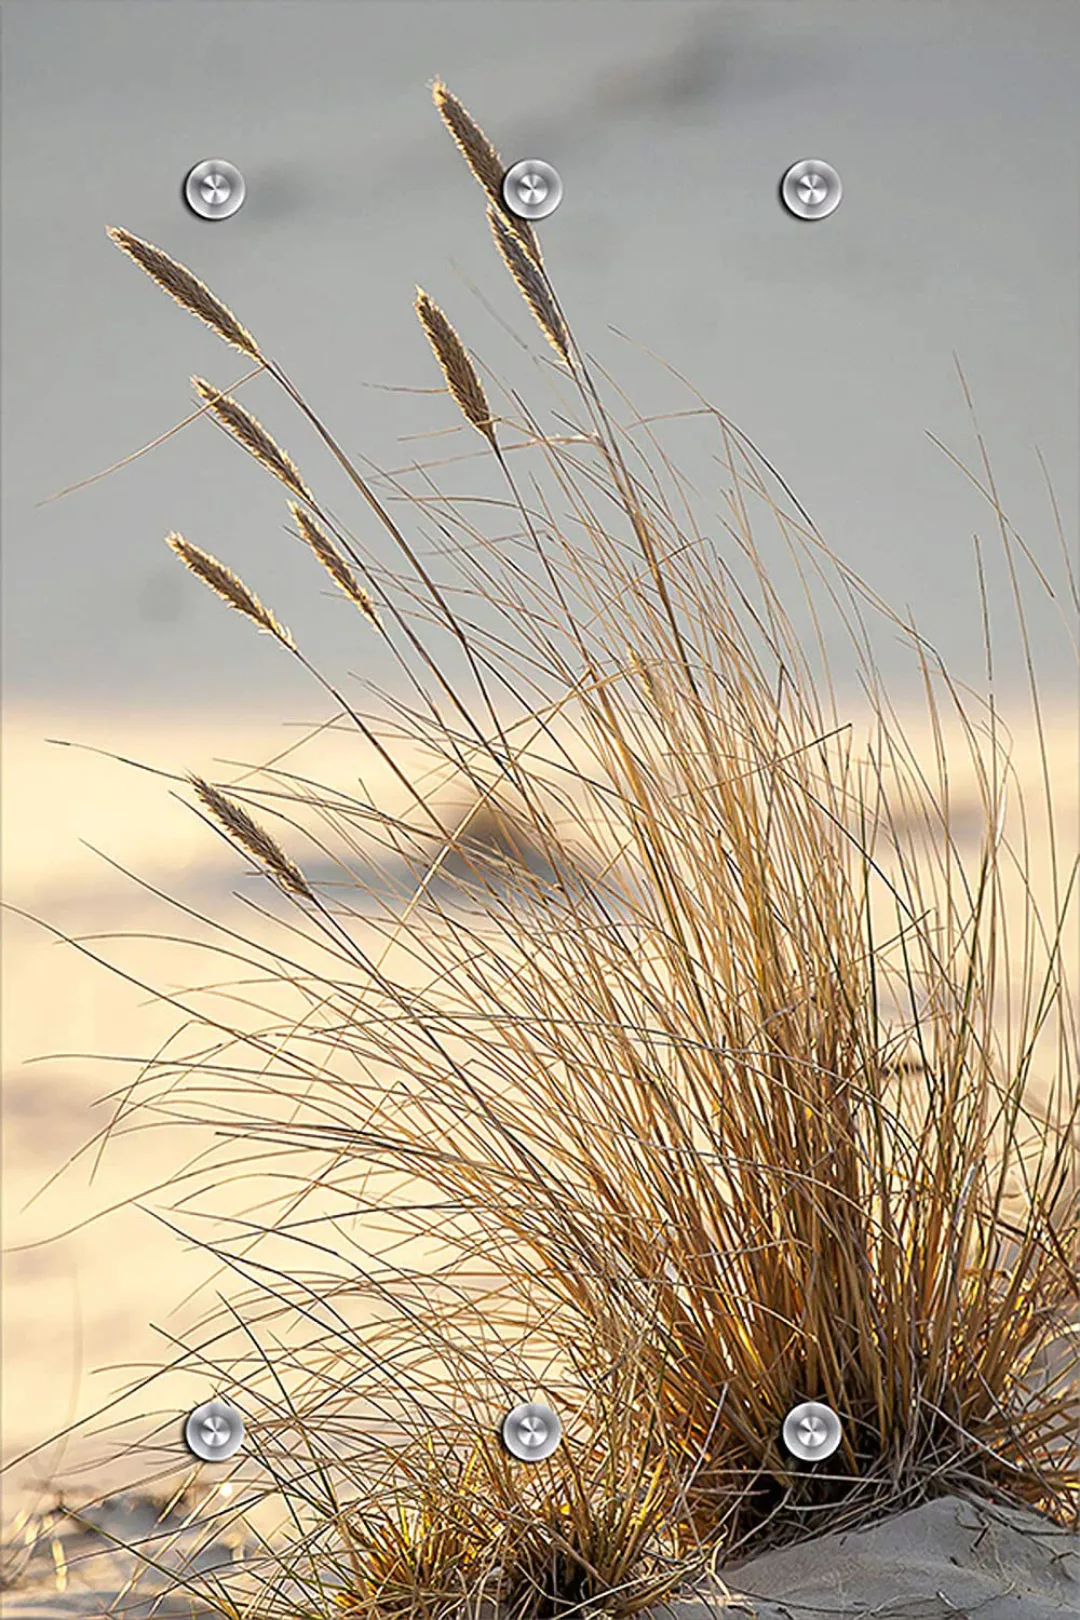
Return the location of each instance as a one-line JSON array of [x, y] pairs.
[[334, 563], [224, 583], [483, 160], [710, 1111], [460, 373], [186, 289], [253, 838], [532, 283], [238, 421]]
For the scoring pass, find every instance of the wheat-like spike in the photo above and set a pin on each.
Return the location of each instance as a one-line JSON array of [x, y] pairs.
[[334, 563], [187, 290], [482, 158], [229, 587], [255, 839], [459, 371], [475, 148], [531, 283], [251, 434]]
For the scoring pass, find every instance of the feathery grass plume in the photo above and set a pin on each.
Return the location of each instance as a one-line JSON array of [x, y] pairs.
[[482, 158], [531, 283], [255, 839], [457, 368], [334, 563], [229, 587], [251, 434], [187, 290], [475, 148]]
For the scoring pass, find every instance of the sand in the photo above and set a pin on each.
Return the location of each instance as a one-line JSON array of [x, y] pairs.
[[948, 1558]]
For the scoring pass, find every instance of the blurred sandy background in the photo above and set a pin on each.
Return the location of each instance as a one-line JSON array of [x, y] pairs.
[[954, 129]]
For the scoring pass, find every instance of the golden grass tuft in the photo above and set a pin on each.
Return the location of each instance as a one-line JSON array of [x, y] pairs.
[[224, 583], [458, 1529], [335, 564], [460, 373], [188, 291], [759, 1085]]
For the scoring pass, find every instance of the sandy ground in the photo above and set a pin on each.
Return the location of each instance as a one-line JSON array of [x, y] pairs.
[[95, 1288], [947, 1559]]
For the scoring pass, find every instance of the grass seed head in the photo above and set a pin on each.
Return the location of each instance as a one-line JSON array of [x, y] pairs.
[[483, 160], [531, 283], [186, 289], [334, 563], [253, 838], [251, 434], [224, 583], [460, 373]]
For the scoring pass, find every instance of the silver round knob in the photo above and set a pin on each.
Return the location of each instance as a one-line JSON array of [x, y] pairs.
[[532, 189], [214, 189], [812, 1431], [214, 1431], [811, 189], [531, 1432]]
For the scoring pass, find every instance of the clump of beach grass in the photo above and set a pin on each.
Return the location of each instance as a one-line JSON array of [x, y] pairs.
[[744, 1094]]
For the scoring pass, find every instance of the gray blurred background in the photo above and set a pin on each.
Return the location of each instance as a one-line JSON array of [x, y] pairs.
[[953, 126]]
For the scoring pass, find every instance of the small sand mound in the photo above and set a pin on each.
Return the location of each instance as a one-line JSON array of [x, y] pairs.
[[947, 1560]]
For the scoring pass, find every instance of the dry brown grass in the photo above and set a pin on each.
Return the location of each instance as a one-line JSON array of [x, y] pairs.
[[189, 292], [334, 563], [738, 1086], [459, 371], [238, 421], [229, 586], [483, 160], [532, 282], [252, 838]]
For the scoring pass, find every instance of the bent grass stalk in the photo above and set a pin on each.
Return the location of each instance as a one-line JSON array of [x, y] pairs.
[[709, 1110]]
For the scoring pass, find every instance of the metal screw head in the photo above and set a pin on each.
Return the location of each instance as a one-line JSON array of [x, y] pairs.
[[214, 189], [532, 189], [812, 1431], [811, 189], [214, 1431], [531, 1432]]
